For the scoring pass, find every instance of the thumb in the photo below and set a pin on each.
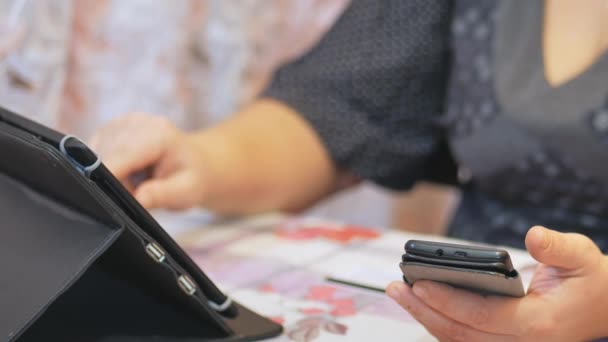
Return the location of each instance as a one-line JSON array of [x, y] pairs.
[[564, 250], [178, 191]]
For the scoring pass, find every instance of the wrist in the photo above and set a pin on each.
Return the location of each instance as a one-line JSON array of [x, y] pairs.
[[217, 168]]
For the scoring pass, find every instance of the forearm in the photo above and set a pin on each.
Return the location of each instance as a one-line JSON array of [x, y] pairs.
[[266, 157]]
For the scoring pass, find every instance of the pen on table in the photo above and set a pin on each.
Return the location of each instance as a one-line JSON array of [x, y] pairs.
[[348, 283]]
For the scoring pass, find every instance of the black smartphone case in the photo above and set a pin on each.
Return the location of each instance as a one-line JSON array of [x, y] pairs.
[[81, 260]]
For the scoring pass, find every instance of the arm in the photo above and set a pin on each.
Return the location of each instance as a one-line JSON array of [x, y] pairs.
[[266, 157], [270, 158]]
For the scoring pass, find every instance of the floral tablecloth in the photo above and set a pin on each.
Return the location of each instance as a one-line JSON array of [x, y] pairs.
[[289, 269]]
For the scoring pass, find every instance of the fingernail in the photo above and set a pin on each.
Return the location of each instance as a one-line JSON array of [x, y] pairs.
[[393, 292], [540, 236], [420, 291]]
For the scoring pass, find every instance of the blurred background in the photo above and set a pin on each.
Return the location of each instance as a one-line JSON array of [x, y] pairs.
[[74, 65]]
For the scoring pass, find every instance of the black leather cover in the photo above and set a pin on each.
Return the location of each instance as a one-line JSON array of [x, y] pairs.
[[74, 260]]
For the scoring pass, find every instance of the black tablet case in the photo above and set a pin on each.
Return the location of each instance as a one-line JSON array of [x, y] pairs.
[[74, 258]]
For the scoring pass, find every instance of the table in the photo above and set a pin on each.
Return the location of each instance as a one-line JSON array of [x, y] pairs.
[[285, 268]]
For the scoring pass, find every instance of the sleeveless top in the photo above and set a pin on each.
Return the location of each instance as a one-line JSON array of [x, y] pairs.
[[534, 154]]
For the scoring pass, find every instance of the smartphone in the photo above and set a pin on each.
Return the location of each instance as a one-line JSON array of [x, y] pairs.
[[480, 269]]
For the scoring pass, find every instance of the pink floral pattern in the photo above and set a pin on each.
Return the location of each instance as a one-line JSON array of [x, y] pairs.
[[341, 234], [309, 329], [298, 294], [317, 319]]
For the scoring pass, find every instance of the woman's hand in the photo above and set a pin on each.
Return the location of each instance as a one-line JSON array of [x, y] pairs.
[[170, 166], [566, 301]]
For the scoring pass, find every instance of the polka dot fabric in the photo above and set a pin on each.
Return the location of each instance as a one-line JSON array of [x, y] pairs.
[[472, 101], [542, 189], [374, 88], [597, 121]]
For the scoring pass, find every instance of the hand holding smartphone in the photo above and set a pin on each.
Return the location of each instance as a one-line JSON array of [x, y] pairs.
[[480, 269]]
